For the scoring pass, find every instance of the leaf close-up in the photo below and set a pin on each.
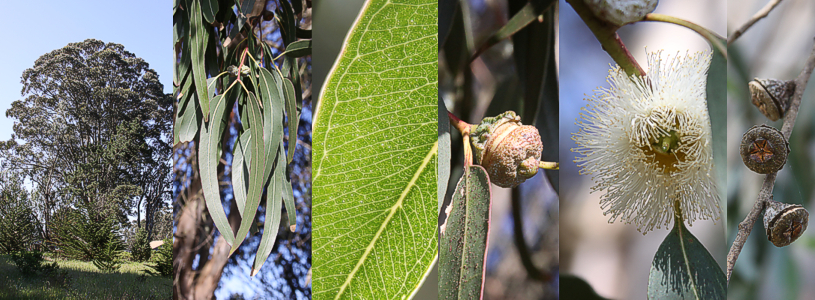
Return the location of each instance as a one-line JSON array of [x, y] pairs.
[[684, 269], [375, 148]]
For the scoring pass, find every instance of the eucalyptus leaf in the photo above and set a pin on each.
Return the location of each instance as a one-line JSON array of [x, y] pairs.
[[240, 169], [291, 108], [186, 125], [208, 159], [684, 269], [272, 221], [463, 237], [199, 35], [375, 147], [445, 152], [256, 170], [209, 8], [299, 48]]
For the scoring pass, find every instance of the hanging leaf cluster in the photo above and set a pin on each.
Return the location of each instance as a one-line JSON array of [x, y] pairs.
[[223, 63]]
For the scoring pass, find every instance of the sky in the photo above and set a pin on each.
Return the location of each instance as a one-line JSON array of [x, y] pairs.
[[143, 27]]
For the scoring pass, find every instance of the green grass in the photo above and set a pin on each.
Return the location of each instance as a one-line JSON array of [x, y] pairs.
[[86, 282]]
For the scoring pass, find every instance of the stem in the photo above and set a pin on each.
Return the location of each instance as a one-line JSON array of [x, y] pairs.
[[758, 16], [713, 38], [548, 165], [766, 192], [606, 34], [464, 128]]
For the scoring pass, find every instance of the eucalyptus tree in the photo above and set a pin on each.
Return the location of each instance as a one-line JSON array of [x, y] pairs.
[[92, 130]]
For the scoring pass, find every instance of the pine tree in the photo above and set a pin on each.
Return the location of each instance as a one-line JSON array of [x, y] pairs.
[[141, 247]]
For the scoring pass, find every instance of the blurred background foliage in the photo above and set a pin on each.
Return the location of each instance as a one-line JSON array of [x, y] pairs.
[[615, 259], [775, 47], [519, 74]]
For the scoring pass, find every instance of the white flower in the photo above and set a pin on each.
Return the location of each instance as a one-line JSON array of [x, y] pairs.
[[647, 142]]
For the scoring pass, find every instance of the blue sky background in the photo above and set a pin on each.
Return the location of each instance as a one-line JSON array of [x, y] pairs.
[[142, 27]]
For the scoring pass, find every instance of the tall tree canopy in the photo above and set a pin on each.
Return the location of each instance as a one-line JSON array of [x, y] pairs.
[[93, 130]]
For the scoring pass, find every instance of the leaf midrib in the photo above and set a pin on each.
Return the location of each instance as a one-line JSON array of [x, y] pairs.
[[428, 158]]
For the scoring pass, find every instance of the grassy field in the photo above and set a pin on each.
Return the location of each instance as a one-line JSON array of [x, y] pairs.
[[86, 282]]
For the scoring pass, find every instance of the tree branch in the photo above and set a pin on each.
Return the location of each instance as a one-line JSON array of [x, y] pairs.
[[758, 16], [766, 192], [606, 34]]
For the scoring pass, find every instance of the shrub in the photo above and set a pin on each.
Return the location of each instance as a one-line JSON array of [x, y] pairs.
[[28, 262], [84, 234], [141, 247], [163, 260], [107, 260]]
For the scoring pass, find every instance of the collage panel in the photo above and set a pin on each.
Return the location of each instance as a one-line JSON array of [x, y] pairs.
[[85, 132], [242, 149], [643, 150], [375, 150], [769, 104], [498, 93]]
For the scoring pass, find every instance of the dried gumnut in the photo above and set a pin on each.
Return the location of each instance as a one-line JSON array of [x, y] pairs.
[[764, 149], [784, 222], [771, 96], [507, 149], [621, 12]]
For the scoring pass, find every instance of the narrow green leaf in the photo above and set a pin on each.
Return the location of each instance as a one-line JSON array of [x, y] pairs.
[[273, 113], [289, 23], [212, 87], [272, 222], [291, 110], [463, 237], [199, 35], [210, 9], [299, 49], [445, 152], [375, 147], [684, 269], [256, 169], [186, 125], [179, 25], [520, 20], [240, 169], [208, 159], [295, 79], [288, 198]]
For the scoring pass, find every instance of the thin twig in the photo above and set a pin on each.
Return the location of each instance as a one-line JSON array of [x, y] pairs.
[[766, 192], [606, 34], [714, 39], [758, 16]]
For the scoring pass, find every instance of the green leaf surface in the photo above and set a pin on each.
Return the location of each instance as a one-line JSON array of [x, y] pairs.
[[209, 8], [445, 152], [291, 108], [684, 269], [375, 146], [463, 237], [256, 170], [289, 24], [198, 43], [186, 125], [208, 159], [240, 169], [271, 224], [299, 49], [288, 199]]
